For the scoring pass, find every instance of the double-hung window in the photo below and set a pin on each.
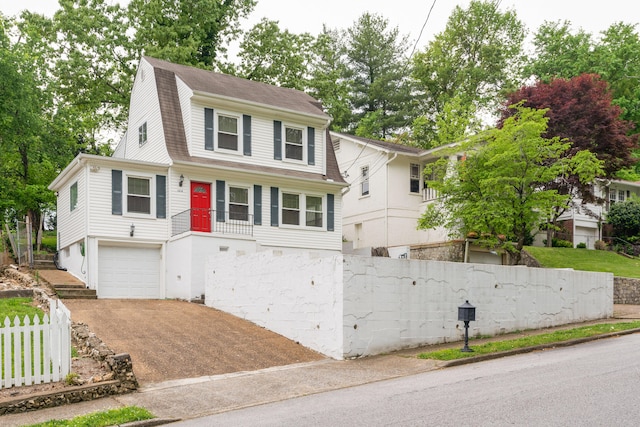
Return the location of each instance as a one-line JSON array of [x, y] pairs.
[[227, 132], [313, 208], [414, 179], [73, 196], [142, 134], [239, 203], [290, 209], [364, 180], [138, 195], [293, 143]]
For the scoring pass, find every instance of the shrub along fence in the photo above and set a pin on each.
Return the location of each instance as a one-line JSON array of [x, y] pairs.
[[34, 352]]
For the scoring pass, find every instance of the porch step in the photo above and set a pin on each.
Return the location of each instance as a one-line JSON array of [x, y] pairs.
[[74, 291]]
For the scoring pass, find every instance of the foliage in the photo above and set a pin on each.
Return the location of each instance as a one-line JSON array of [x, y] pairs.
[[561, 52], [376, 71], [531, 340], [189, 32], [26, 160], [604, 261], [270, 55], [625, 218], [580, 110], [496, 189], [328, 81], [465, 69], [581, 245], [110, 417], [559, 243]]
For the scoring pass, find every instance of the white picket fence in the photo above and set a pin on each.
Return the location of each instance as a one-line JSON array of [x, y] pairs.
[[35, 352]]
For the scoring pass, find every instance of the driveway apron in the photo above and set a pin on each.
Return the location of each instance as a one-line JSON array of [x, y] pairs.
[[170, 340]]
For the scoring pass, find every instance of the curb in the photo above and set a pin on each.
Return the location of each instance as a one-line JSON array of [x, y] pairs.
[[149, 423], [483, 357]]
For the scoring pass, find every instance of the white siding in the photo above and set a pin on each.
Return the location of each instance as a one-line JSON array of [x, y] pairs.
[[103, 223], [265, 234], [261, 140], [144, 107], [71, 224]]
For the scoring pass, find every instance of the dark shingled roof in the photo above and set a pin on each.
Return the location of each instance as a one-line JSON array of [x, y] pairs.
[[215, 83], [235, 87], [391, 146]]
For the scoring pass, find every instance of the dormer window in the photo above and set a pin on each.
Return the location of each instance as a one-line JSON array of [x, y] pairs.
[[227, 132], [293, 143]]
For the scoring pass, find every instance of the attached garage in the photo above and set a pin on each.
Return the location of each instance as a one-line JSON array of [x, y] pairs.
[[129, 271]]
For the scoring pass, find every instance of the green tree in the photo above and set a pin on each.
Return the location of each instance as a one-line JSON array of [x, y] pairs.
[[25, 165], [471, 63], [377, 71], [270, 55], [189, 32], [561, 52], [497, 189], [328, 81]]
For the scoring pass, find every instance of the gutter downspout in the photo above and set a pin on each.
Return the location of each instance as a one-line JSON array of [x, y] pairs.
[[386, 204]]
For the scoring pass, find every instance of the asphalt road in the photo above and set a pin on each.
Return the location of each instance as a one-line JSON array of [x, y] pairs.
[[593, 384]]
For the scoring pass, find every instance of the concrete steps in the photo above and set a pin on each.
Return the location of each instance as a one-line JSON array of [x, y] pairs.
[[66, 285], [68, 291]]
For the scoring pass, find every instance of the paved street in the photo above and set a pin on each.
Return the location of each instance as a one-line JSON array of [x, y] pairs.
[[594, 384]]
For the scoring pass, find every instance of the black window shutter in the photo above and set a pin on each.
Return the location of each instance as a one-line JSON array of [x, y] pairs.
[[330, 212], [161, 196], [311, 145], [277, 140], [246, 134], [220, 190], [208, 129], [257, 205], [274, 206], [116, 192]]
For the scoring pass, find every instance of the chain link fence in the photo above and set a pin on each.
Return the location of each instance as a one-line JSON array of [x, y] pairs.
[[20, 239]]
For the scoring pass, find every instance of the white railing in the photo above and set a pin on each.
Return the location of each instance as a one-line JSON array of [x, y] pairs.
[[33, 352], [429, 194]]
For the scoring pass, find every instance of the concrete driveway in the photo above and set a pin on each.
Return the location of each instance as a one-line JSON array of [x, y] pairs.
[[170, 340]]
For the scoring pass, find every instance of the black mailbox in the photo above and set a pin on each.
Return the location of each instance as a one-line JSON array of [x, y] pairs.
[[466, 312]]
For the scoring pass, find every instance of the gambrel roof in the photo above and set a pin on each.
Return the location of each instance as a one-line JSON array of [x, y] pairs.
[[230, 87]]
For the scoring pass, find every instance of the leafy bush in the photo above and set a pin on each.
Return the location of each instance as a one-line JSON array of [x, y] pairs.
[[559, 243], [625, 218], [581, 245], [600, 245]]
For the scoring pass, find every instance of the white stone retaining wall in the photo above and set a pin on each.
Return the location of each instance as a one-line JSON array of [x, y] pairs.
[[348, 306]]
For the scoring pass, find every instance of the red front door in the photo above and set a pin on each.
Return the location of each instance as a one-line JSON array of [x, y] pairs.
[[200, 207]]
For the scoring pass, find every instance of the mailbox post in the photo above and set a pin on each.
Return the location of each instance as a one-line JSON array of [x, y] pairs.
[[466, 313]]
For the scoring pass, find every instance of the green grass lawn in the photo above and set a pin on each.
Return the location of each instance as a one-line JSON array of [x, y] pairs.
[[12, 307], [100, 419], [587, 260], [530, 341]]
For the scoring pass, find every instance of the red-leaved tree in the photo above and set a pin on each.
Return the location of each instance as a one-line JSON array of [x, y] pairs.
[[581, 111]]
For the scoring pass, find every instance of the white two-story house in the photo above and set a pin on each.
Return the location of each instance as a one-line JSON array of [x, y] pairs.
[[210, 163], [387, 194]]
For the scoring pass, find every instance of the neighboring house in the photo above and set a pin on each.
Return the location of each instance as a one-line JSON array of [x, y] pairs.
[[387, 194], [210, 163], [587, 223]]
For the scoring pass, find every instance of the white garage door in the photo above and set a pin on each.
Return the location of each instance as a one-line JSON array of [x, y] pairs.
[[129, 272]]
